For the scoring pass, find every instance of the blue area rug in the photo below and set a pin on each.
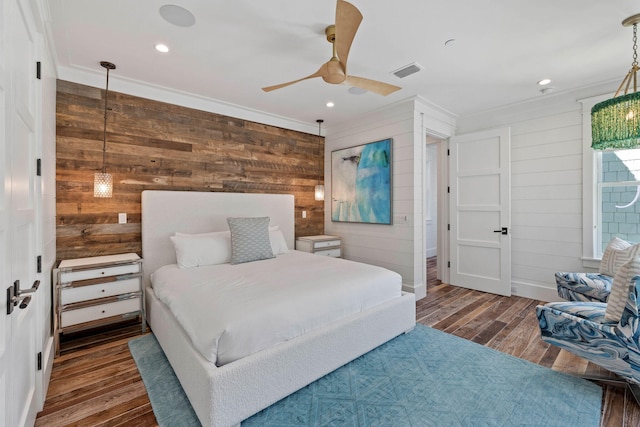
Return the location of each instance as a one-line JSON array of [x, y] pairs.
[[423, 378]]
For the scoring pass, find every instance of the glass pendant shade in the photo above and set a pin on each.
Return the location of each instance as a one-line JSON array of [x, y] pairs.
[[102, 185], [319, 192], [615, 123]]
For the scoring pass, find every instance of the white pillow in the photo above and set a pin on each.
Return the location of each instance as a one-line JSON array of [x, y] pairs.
[[623, 283], [278, 244], [617, 253], [195, 250], [207, 234]]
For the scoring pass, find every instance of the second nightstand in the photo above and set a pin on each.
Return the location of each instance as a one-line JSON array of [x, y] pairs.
[[320, 245]]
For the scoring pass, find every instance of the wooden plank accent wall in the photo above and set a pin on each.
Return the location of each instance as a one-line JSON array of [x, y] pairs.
[[160, 146]]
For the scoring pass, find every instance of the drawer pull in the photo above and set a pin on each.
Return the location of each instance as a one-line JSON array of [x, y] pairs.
[[103, 311], [102, 290]]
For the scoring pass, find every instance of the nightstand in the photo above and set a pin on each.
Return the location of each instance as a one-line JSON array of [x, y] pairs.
[[96, 291], [320, 245]]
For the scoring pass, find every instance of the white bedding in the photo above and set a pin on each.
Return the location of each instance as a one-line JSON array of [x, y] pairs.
[[230, 311]]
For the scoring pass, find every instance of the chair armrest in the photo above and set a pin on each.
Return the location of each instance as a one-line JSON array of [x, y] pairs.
[[576, 320]]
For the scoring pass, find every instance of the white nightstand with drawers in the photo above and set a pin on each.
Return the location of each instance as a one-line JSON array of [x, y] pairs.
[[97, 291], [320, 245]]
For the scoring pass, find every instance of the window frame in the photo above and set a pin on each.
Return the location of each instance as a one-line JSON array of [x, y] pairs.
[[589, 186]]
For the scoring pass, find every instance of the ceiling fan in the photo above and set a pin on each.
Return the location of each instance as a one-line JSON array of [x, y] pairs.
[[334, 71]]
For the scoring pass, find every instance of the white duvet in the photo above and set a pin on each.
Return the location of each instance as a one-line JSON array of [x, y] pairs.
[[231, 311]]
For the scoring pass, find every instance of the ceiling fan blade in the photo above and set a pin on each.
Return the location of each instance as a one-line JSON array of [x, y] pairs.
[[321, 72], [374, 86], [348, 19]]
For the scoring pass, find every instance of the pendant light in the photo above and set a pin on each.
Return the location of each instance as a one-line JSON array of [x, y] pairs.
[[615, 123], [103, 181], [319, 190]]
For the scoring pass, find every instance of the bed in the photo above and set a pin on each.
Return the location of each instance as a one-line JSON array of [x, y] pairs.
[[227, 394]]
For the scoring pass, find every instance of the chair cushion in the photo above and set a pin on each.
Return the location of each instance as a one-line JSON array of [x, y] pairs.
[[593, 311], [623, 284], [583, 286], [618, 252]]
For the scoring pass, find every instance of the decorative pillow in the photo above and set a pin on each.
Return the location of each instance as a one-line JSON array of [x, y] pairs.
[[278, 243], [617, 253], [195, 250], [250, 239], [623, 283]]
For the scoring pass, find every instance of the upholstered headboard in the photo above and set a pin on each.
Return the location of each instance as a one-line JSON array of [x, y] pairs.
[[165, 212]]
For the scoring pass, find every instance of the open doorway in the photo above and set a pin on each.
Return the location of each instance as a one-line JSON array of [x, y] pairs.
[[435, 182]]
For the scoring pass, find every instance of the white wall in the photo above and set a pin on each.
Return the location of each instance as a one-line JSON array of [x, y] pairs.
[[546, 187], [398, 247]]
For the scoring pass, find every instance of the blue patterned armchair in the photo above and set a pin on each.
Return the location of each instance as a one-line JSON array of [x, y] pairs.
[[583, 286], [580, 328]]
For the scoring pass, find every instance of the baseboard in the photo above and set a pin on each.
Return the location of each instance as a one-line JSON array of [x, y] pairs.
[[419, 290], [533, 291]]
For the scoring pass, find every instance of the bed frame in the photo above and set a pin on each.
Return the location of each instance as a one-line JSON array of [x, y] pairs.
[[224, 396]]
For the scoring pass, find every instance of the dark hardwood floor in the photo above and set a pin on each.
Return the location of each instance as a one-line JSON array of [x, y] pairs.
[[95, 381]]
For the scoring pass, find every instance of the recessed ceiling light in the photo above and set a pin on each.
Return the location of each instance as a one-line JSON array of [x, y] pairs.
[[450, 42], [162, 48], [177, 15], [330, 104], [544, 82], [356, 90]]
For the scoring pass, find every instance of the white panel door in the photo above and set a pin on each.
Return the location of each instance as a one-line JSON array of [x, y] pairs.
[[21, 198], [480, 211]]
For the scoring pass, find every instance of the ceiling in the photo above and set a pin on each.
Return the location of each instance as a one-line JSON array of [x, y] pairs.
[[501, 49]]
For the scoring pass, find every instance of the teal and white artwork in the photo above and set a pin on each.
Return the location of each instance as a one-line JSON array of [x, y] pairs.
[[361, 183]]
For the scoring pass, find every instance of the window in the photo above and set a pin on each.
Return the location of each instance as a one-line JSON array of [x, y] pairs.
[[617, 197]]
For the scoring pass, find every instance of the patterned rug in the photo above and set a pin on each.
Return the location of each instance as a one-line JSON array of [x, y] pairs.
[[423, 378]]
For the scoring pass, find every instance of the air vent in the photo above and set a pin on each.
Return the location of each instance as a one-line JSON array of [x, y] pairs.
[[407, 70]]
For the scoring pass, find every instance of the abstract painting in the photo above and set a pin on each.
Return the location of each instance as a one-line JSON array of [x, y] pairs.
[[361, 183]]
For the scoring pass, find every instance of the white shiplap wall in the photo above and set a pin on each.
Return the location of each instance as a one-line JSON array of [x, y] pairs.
[[546, 189], [398, 247]]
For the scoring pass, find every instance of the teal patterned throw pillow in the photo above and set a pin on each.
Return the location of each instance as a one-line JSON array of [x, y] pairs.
[[249, 239]]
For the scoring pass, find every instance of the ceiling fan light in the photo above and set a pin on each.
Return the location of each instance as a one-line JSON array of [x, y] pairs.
[[354, 90], [615, 123]]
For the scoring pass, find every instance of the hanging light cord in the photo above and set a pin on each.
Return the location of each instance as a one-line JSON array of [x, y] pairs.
[[633, 72], [104, 135]]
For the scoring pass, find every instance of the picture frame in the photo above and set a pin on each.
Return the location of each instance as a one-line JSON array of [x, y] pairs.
[[361, 183]]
